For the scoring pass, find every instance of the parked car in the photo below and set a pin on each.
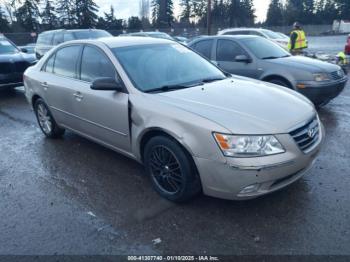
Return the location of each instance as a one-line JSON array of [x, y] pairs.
[[258, 58], [181, 39], [268, 34], [49, 39], [13, 62], [151, 34], [29, 48], [194, 128], [347, 46]]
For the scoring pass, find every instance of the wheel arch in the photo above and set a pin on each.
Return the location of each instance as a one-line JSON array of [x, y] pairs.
[[268, 78], [35, 97], [149, 133]]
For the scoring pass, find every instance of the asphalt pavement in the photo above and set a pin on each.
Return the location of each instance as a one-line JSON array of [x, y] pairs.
[[72, 196]]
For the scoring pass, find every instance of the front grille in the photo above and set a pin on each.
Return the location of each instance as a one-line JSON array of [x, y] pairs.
[[307, 135], [337, 75]]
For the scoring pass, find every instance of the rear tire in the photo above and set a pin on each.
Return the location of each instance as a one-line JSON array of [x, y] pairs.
[[172, 170], [46, 121]]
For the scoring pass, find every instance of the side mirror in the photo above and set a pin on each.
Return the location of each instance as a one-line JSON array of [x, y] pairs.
[[106, 84], [24, 50], [243, 59]]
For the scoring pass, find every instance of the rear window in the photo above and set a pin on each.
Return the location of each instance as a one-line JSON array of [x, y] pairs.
[[45, 39], [90, 34]]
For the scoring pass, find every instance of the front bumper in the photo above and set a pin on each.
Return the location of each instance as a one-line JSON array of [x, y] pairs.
[[11, 80], [322, 93], [247, 178]]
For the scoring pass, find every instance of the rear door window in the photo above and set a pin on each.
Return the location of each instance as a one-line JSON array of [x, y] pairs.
[[66, 61], [45, 39], [95, 64], [227, 50], [204, 47]]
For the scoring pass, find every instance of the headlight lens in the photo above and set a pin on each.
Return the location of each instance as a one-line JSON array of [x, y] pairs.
[[321, 77], [248, 146]]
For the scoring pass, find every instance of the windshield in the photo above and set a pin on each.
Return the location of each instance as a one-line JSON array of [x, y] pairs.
[[91, 34], [6, 47], [271, 34], [264, 49], [155, 66]]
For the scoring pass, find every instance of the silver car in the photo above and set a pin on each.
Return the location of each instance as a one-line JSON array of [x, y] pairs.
[[194, 128]]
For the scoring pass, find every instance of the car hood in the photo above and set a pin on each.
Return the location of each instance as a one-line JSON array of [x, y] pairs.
[[17, 57], [305, 63], [244, 107]]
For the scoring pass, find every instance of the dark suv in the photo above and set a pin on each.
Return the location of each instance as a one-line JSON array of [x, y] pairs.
[[49, 39], [13, 62]]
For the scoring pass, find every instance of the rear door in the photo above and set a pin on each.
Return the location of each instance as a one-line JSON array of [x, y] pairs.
[[58, 80], [102, 115], [226, 52]]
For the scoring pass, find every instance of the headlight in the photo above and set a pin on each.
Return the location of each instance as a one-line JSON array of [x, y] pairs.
[[321, 77], [248, 146]]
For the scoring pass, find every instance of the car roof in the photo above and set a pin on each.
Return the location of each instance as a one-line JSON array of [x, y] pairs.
[[236, 37], [243, 29], [69, 30], [125, 41]]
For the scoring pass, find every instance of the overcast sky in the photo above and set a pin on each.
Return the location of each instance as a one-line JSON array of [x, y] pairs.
[[126, 8]]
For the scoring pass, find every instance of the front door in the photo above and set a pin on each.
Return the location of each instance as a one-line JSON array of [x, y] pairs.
[[226, 53], [102, 115]]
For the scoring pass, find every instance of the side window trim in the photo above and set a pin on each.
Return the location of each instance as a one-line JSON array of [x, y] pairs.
[[43, 68], [102, 53]]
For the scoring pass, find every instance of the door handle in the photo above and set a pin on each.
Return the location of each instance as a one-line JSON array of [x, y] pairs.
[[45, 85], [78, 96]]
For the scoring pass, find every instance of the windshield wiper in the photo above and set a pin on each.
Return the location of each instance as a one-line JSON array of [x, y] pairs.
[[213, 79], [167, 88], [271, 57]]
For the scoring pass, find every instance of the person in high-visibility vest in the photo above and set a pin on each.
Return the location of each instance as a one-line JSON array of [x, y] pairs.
[[342, 59], [297, 40]]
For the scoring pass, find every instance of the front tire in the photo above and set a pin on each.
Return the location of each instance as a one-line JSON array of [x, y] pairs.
[[46, 121], [172, 171], [279, 82]]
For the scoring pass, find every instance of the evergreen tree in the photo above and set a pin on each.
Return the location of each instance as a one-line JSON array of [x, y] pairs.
[[66, 10], [344, 9], [275, 14], [162, 13], [186, 13], [134, 23], [48, 16], [28, 14], [86, 13], [218, 13], [111, 22], [4, 23]]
